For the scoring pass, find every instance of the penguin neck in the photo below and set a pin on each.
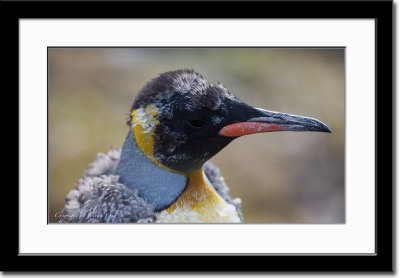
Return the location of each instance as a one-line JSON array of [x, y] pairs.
[[197, 194], [199, 203], [157, 185]]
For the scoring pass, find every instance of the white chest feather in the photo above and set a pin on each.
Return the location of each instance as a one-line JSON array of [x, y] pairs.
[[221, 213]]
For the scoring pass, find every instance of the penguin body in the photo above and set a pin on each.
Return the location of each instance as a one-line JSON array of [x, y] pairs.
[[177, 122], [99, 197]]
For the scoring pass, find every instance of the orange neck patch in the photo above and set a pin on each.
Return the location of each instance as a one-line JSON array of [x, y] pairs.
[[199, 203], [197, 193]]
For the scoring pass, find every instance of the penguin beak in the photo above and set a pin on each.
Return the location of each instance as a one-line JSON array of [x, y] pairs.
[[269, 121]]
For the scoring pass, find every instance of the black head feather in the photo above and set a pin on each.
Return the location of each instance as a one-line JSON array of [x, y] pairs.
[[184, 81]]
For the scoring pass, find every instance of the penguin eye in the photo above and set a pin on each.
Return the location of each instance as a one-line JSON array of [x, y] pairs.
[[196, 123]]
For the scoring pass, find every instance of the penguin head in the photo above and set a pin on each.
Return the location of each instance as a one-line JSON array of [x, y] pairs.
[[180, 121]]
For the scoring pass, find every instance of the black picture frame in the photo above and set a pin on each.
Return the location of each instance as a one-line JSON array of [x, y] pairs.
[[381, 11]]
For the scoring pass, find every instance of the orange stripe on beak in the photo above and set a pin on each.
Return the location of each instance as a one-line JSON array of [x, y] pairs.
[[244, 128]]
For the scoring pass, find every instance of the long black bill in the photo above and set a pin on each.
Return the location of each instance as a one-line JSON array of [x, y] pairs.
[[269, 121]]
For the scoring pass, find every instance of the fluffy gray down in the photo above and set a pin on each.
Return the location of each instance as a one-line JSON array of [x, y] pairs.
[[100, 198]]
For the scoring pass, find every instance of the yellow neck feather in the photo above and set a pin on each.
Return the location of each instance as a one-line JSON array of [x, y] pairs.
[[199, 203], [197, 194], [144, 122]]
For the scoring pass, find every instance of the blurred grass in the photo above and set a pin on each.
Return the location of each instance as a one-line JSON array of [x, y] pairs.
[[282, 177]]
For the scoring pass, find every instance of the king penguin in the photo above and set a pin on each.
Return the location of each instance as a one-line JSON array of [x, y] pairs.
[[177, 122]]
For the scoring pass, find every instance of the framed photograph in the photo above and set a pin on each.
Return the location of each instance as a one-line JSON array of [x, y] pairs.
[[153, 135]]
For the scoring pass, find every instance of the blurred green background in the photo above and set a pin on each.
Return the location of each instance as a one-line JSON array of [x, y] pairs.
[[281, 177]]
